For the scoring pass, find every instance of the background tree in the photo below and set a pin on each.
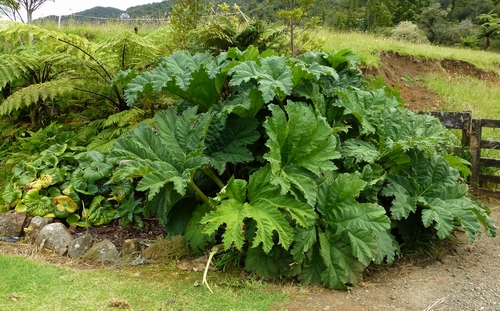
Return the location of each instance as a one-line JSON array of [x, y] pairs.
[[377, 14], [15, 10], [469, 9], [296, 16], [490, 27], [405, 10], [432, 20], [9, 9]]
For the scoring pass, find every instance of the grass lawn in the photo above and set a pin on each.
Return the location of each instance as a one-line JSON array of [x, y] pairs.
[[31, 286]]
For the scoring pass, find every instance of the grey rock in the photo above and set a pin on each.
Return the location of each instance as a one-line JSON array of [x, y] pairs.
[[55, 237], [103, 251], [36, 224], [11, 224], [79, 246]]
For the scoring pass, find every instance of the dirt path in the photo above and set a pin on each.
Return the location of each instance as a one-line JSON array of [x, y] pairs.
[[459, 277]]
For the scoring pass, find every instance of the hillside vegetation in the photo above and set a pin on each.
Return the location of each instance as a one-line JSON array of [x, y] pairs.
[[468, 23]]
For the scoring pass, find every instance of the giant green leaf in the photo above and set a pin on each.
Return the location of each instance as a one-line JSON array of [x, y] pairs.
[[272, 75], [355, 223], [265, 206], [172, 150], [432, 185], [227, 143], [168, 152], [400, 128], [270, 265], [301, 145], [342, 268], [304, 240], [197, 79]]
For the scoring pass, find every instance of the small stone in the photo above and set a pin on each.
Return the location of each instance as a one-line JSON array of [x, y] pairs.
[[36, 224], [11, 224], [55, 237], [104, 251], [326, 308], [79, 246]]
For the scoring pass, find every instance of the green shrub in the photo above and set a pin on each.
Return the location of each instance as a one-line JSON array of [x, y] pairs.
[[292, 164], [407, 31]]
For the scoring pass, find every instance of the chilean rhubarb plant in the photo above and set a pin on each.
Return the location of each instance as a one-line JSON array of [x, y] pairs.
[[292, 163], [292, 166]]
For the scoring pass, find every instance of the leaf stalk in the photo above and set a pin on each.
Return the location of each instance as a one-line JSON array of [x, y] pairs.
[[209, 171]]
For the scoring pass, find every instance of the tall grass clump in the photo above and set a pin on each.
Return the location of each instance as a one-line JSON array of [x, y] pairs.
[[466, 93]]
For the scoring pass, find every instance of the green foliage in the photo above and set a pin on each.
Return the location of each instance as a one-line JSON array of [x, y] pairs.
[[489, 28], [52, 65], [407, 31], [36, 93], [129, 211], [293, 163], [174, 74], [69, 182], [421, 186]]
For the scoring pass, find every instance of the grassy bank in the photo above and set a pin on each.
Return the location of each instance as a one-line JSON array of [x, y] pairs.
[[368, 46], [33, 286]]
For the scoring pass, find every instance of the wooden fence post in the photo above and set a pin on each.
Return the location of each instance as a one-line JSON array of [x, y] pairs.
[[475, 143]]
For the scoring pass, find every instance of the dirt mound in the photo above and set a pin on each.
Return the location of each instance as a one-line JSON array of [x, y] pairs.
[[405, 71]]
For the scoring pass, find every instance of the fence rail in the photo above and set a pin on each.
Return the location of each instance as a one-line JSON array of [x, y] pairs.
[[471, 140], [480, 179]]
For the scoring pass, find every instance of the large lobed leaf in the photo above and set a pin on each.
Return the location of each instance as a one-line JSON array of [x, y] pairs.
[[301, 145], [168, 152], [273, 76], [226, 142], [265, 206], [432, 185], [197, 79], [353, 229]]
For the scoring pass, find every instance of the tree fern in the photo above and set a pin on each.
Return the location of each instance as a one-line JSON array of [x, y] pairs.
[[128, 50], [95, 64], [35, 93], [217, 33]]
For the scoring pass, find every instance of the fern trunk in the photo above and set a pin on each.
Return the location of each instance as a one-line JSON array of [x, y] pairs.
[[6, 90], [34, 114]]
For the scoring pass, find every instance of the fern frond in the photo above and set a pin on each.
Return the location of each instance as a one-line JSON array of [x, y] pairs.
[[90, 130], [11, 68], [34, 93], [217, 33], [105, 140], [102, 145], [98, 124], [128, 50], [26, 34], [126, 117]]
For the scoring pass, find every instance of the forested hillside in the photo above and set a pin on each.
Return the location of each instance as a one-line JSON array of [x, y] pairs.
[[468, 23]]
